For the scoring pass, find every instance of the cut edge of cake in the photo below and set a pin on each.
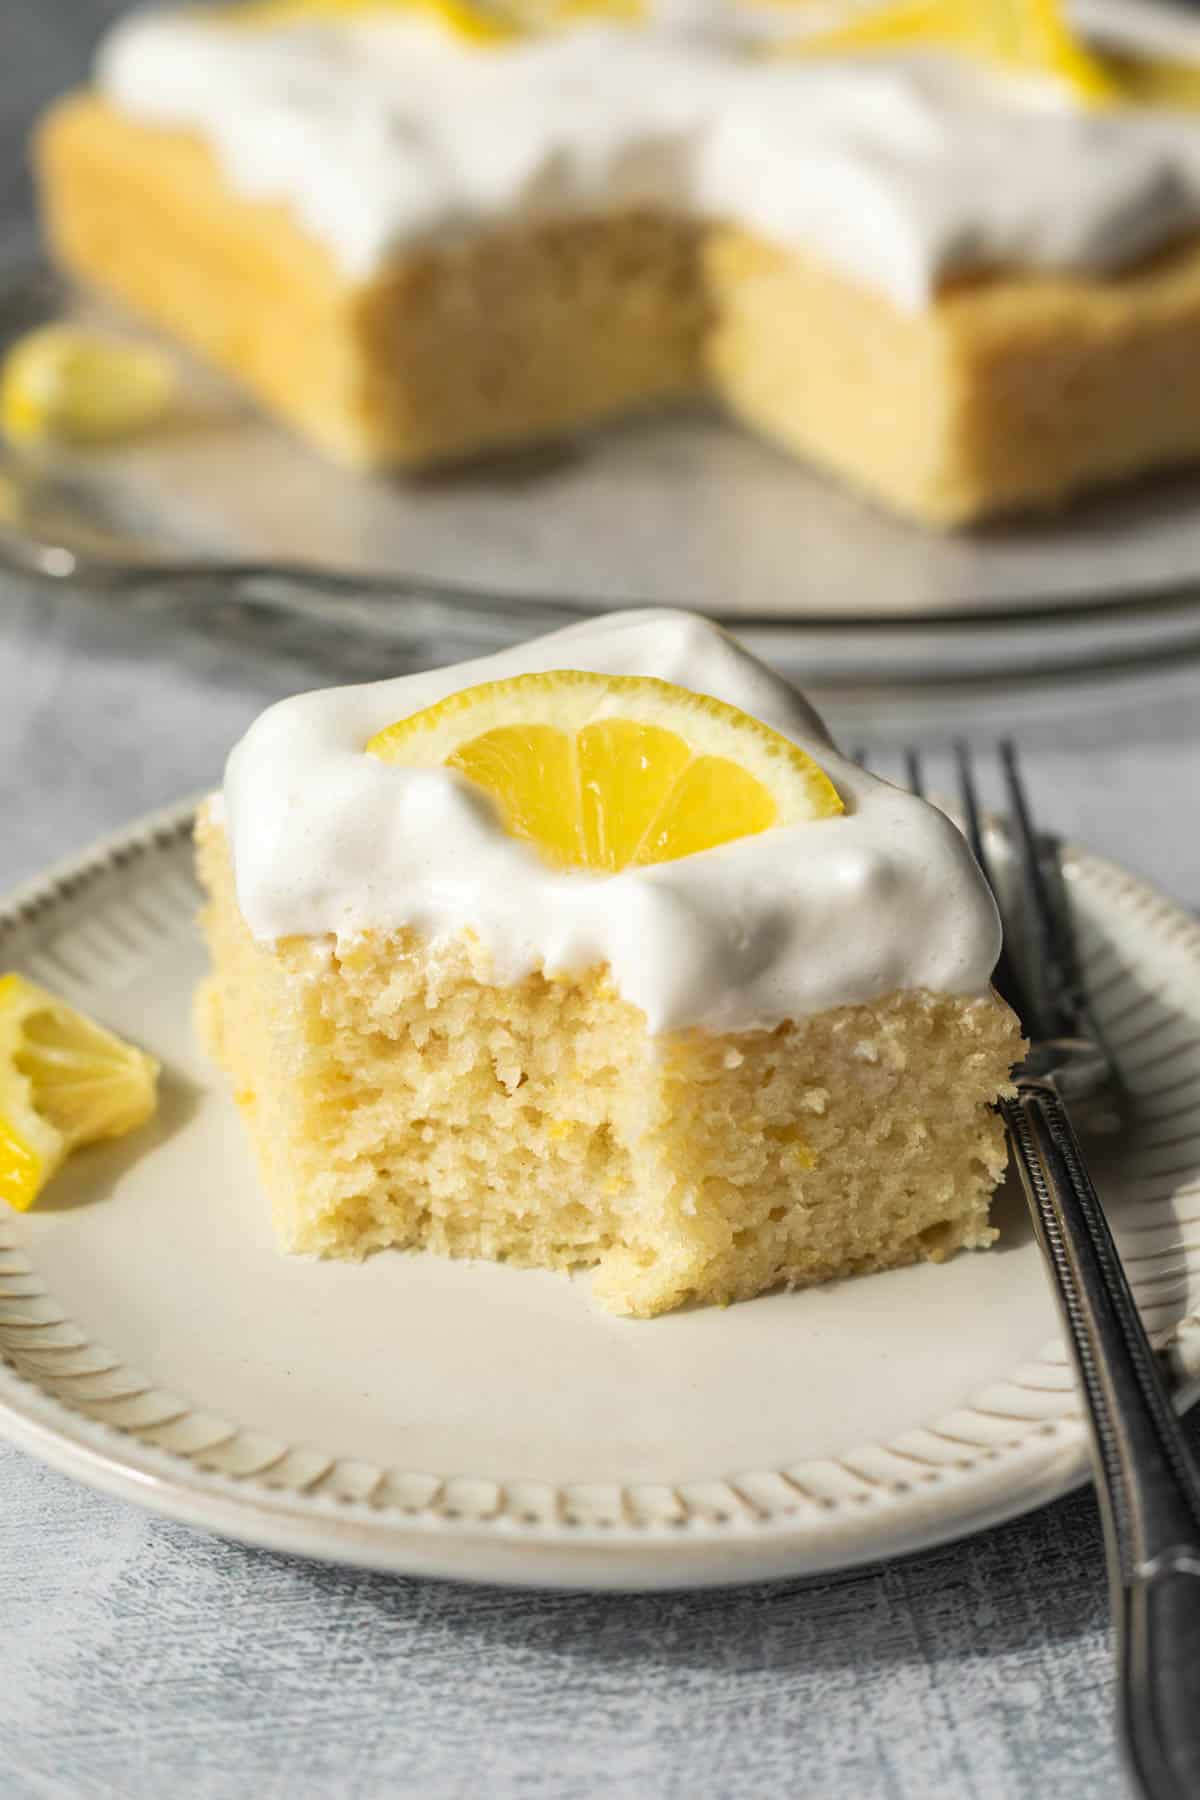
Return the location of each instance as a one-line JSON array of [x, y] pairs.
[[493, 340], [396, 1096]]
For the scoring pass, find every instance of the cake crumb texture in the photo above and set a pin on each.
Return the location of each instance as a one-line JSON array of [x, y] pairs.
[[396, 1097]]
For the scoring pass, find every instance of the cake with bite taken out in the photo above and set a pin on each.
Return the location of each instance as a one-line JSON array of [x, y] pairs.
[[596, 954]]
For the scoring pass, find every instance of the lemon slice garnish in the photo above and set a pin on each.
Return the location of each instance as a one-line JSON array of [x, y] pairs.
[[64, 1082], [67, 384], [1025, 36], [608, 772]]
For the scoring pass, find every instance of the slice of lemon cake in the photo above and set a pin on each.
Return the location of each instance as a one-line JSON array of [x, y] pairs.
[[597, 954]]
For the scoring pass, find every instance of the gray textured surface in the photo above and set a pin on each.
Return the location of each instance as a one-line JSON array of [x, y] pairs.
[[141, 1660]]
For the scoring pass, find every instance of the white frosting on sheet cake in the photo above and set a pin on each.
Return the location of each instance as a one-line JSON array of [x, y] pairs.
[[327, 839], [899, 171]]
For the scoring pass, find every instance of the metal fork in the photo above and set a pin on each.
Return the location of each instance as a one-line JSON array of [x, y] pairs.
[[1147, 1484]]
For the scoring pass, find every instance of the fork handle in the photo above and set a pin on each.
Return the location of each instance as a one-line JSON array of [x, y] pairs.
[[1146, 1482]]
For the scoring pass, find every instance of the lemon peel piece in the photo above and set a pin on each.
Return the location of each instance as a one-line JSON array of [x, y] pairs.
[[67, 384]]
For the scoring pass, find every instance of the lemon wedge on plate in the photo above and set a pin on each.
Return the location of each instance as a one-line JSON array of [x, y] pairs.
[[1024, 36], [609, 772], [64, 1081], [66, 384]]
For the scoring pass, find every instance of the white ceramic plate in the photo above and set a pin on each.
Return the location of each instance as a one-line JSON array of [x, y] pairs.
[[455, 1419]]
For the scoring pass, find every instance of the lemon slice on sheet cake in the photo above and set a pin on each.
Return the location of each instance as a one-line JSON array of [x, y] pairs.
[[1031, 37], [604, 772], [64, 1081], [1034, 37]]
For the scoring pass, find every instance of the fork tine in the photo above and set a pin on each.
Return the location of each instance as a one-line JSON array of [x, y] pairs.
[[912, 771], [1005, 978], [969, 795], [1055, 961]]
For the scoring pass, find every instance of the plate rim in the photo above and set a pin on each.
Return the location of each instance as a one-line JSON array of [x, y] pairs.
[[619, 1535]]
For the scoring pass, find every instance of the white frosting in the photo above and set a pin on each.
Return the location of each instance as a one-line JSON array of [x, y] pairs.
[[327, 839], [385, 130]]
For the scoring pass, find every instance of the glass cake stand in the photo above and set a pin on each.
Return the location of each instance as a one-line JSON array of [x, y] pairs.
[[223, 513]]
